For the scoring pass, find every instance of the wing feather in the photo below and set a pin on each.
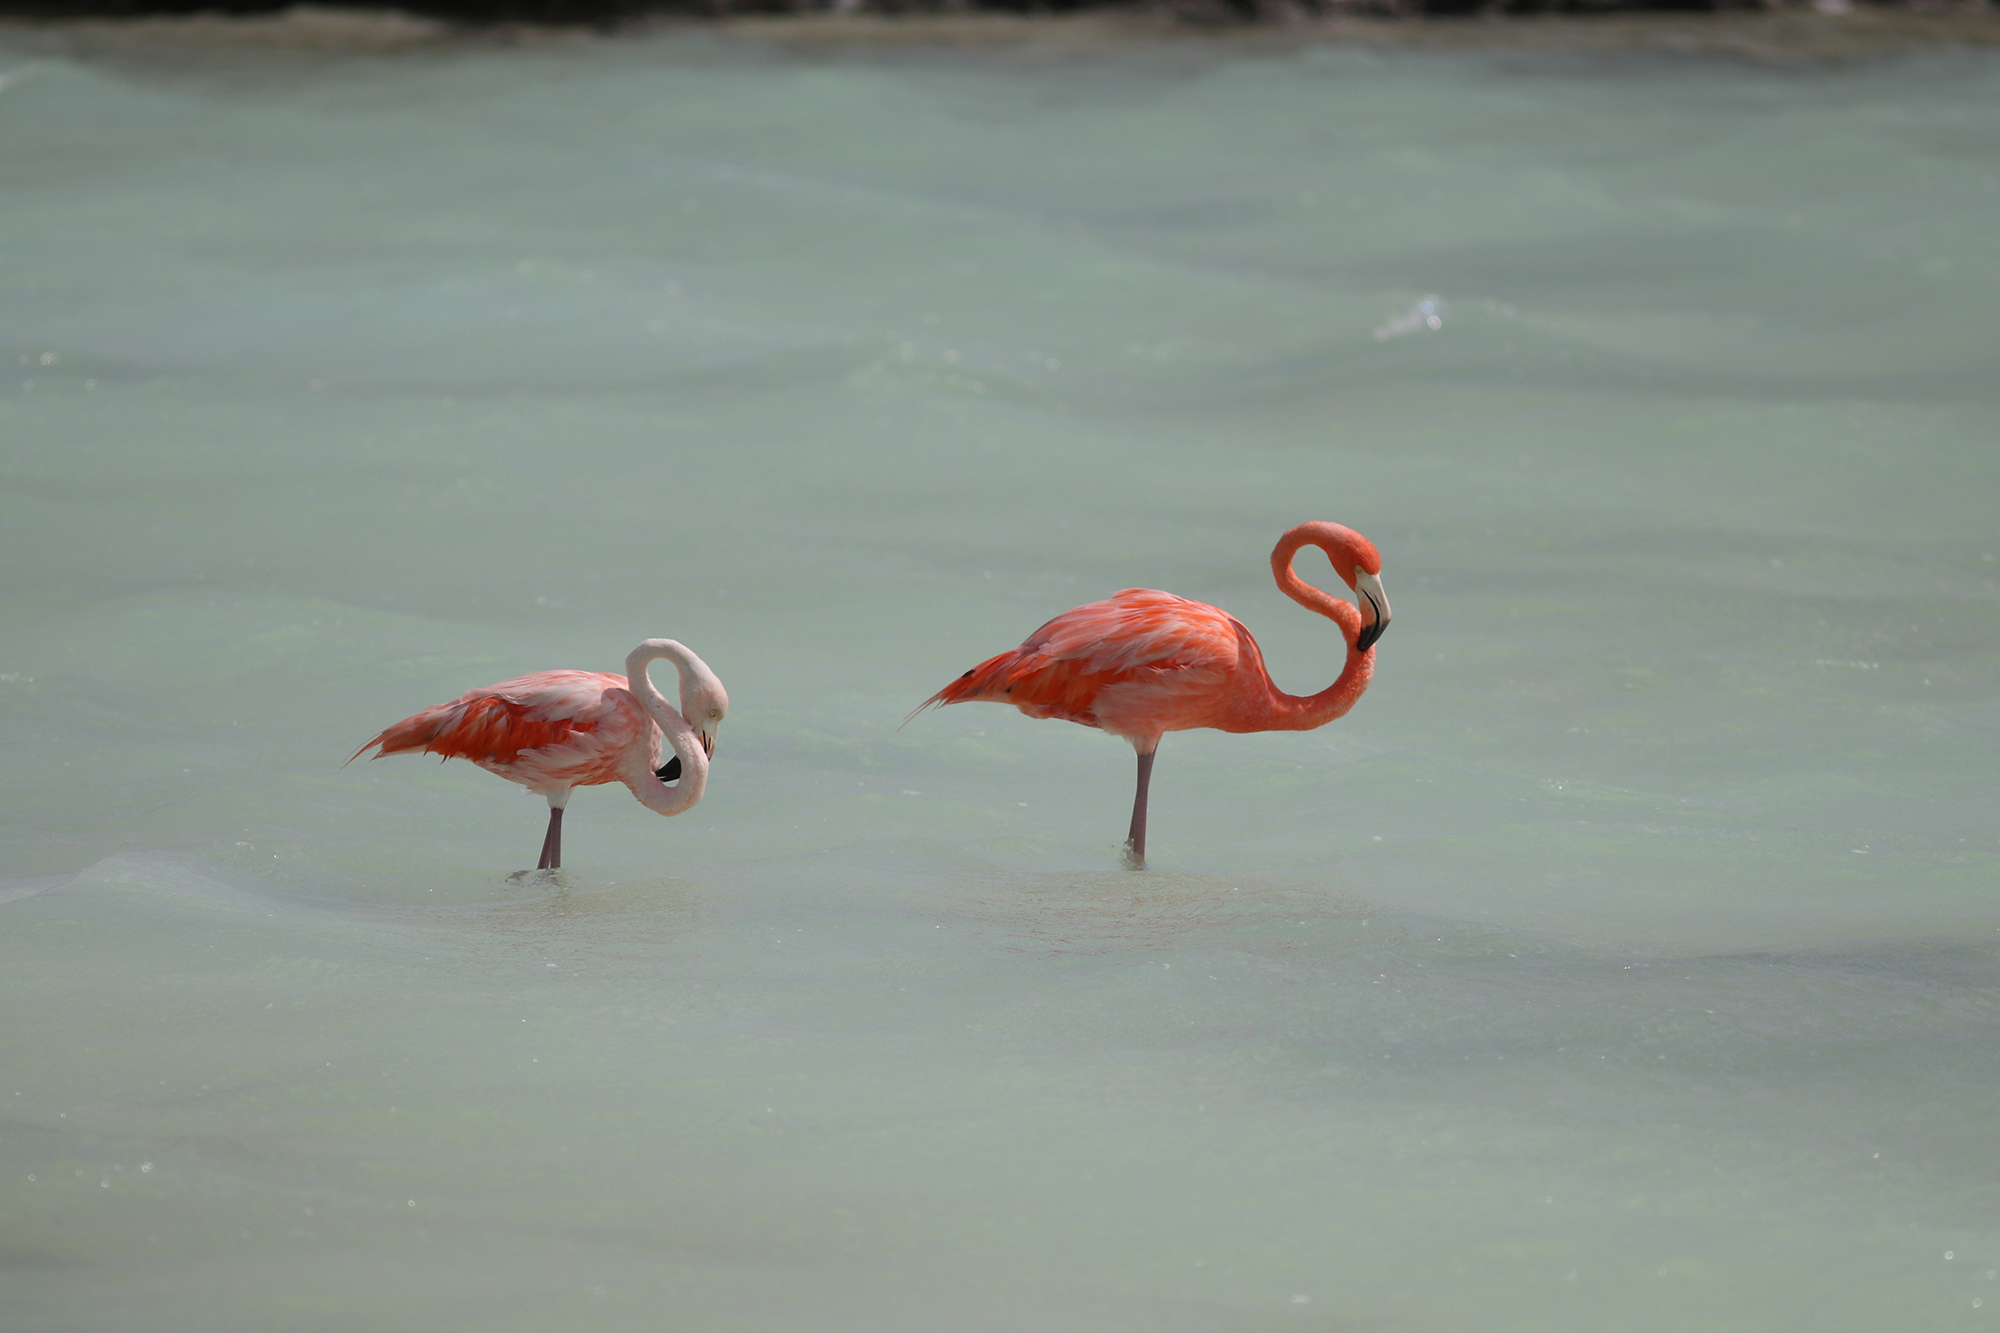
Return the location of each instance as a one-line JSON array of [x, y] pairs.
[[497, 724], [1136, 642]]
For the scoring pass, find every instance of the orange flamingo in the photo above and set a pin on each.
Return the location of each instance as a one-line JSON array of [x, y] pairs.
[[557, 730], [1142, 663]]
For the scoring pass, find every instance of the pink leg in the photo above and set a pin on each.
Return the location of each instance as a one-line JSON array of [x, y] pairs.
[[552, 843], [1135, 841]]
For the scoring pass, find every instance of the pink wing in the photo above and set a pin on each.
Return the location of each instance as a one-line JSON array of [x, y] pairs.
[[1137, 663], [549, 728]]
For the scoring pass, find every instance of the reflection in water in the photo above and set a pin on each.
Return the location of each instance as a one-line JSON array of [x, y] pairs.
[[640, 923], [1113, 912]]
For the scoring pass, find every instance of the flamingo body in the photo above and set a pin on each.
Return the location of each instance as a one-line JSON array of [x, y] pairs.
[[548, 731], [554, 731], [1138, 664], [1142, 663]]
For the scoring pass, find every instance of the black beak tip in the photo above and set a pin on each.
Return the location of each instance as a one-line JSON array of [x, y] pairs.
[[1369, 634]]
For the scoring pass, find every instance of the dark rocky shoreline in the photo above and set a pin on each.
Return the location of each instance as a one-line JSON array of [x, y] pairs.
[[142, 33], [613, 13]]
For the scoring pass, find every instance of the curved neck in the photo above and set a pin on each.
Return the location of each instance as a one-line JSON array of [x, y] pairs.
[[1302, 713], [654, 794]]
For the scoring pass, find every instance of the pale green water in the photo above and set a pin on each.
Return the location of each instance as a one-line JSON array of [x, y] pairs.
[[1625, 960]]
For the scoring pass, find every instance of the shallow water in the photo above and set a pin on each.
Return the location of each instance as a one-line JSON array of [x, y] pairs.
[[1626, 959]]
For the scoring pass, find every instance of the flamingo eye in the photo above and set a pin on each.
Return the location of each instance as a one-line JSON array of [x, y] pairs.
[[715, 712]]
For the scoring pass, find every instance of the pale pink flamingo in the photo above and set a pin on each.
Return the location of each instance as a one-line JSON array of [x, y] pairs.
[[557, 730], [1142, 663]]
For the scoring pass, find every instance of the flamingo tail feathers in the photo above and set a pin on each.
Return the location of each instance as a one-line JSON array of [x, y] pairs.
[[989, 677], [489, 729], [411, 734]]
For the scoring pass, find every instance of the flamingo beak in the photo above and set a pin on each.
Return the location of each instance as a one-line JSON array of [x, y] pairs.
[[708, 743], [1368, 592]]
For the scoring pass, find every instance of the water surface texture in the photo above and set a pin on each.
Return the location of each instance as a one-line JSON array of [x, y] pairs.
[[1625, 960]]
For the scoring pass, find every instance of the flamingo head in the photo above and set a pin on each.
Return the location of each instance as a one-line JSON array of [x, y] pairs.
[[1359, 565], [1374, 605], [704, 703]]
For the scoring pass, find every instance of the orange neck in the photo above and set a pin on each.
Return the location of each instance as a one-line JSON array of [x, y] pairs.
[[1291, 712]]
